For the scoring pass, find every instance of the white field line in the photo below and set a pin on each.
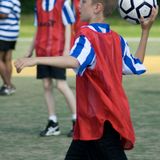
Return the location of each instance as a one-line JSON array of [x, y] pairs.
[[131, 39], [150, 39]]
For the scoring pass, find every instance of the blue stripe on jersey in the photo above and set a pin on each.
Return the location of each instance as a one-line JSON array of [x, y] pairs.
[[100, 26], [67, 15], [18, 6], [136, 60], [8, 24], [47, 5], [130, 65], [82, 50], [8, 37], [79, 47], [7, 7], [96, 27], [87, 62], [123, 45], [1, 12], [12, 19], [15, 30]]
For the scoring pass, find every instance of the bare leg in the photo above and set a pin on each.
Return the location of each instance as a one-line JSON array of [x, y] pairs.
[[48, 94], [8, 63], [3, 70], [68, 94], [52, 128]]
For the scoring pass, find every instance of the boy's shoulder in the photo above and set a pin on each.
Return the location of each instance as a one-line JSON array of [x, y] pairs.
[[92, 31]]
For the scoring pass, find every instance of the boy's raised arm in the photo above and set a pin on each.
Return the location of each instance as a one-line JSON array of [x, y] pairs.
[[60, 61], [146, 26]]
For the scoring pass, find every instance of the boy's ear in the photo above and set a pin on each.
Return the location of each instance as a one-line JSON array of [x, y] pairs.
[[98, 8]]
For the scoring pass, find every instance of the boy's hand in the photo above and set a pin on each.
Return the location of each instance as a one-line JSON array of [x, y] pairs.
[[24, 62], [146, 24]]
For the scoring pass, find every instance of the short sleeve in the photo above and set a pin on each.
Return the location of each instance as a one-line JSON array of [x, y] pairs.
[[131, 64], [84, 53]]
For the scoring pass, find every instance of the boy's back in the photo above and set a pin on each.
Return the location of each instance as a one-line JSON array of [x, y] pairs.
[[104, 83], [99, 85]]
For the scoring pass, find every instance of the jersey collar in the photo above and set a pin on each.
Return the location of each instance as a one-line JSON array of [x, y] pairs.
[[100, 27]]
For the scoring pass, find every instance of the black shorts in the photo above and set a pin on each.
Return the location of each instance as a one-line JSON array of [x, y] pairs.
[[109, 147], [44, 71], [7, 45]]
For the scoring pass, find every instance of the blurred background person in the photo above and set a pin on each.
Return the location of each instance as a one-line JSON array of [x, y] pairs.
[[9, 31], [52, 38]]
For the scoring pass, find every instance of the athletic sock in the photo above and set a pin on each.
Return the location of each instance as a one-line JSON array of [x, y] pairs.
[[53, 118], [74, 117]]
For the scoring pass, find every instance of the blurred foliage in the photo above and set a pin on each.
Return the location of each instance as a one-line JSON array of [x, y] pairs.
[[28, 6]]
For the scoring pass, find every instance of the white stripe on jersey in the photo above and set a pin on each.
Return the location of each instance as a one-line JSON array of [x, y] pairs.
[[85, 52], [9, 27], [67, 14], [102, 29], [131, 65], [5, 7], [86, 58], [48, 5], [91, 27]]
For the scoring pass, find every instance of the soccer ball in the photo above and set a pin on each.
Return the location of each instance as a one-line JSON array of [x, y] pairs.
[[132, 10]]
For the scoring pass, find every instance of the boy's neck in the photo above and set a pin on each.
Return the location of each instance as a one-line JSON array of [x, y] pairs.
[[97, 20]]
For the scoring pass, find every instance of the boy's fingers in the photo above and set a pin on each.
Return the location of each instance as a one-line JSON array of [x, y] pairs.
[[19, 65], [154, 13], [141, 19]]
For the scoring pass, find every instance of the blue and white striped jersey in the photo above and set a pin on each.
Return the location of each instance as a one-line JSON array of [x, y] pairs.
[[84, 53], [9, 27], [68, 16]]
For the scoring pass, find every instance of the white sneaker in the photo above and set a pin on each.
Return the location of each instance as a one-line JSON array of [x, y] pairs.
[[6, 91], [52, 129]]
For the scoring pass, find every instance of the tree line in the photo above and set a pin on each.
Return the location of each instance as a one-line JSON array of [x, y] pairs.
[[28, 6]]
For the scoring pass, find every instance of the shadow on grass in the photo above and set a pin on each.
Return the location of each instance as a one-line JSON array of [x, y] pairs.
[[152, 92]]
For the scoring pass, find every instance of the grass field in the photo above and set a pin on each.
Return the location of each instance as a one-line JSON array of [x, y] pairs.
[[118, 24], [24, 114]]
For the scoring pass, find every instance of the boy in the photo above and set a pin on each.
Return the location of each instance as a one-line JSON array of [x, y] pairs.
[[9, 31], [53, 39], [103, 127]]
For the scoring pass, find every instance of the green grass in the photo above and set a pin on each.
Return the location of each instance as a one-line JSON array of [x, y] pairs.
[[24, 114], [118, 24], [130, 30], [152, 48], [27, 28]]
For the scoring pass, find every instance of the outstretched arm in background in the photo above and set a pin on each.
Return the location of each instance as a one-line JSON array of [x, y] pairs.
[[60, 61], [146, 26]]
